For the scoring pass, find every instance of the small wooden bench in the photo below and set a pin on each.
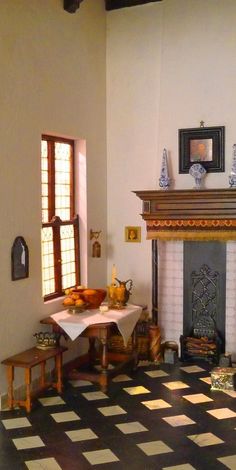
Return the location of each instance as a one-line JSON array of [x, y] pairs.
[[28, 359]]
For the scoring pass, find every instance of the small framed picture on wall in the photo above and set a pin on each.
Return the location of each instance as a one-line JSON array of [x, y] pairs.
[[204, 145], [133, 234]]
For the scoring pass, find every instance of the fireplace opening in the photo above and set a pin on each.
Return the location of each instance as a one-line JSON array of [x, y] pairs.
[[204, 300]]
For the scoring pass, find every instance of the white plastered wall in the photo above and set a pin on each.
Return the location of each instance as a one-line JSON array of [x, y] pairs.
[[169, 66], [53, 81]]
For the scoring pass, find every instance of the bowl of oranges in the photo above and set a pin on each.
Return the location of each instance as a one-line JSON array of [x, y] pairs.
[[81, 298]]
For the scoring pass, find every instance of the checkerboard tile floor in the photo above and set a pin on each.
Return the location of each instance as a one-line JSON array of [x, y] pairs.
[[160, 417]]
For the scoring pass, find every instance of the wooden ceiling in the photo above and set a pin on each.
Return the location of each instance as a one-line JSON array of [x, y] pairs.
[[72, 5]]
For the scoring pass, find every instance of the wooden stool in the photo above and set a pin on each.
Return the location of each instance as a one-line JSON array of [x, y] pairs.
[[28, 359]]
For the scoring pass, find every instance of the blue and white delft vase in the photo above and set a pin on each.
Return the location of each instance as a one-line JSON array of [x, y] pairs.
[[164, 180], [198, 172], [232, 176]]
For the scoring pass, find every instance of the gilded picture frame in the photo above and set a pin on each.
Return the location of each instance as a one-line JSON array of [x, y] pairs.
[[205, 145], [133, 234]]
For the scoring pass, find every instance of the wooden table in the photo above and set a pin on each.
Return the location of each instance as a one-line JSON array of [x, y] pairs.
[[102, 332]]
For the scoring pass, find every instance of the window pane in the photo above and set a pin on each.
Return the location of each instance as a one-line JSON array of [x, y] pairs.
[[67, 256], [62, 180], [48, 261], [44, 180]]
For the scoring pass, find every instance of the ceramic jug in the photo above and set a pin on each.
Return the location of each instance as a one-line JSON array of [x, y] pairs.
[[128, 286]]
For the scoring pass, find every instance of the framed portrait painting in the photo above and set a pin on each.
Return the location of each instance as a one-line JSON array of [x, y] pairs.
[[203, 145], [133, 234]]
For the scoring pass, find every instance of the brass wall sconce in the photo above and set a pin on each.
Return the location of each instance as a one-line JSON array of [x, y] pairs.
[[96, 246]]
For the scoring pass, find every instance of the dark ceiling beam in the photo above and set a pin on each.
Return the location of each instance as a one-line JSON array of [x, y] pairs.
[[72, 5], [115, 4]]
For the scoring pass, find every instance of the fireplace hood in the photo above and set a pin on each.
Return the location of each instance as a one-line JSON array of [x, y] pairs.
[[189, 214]]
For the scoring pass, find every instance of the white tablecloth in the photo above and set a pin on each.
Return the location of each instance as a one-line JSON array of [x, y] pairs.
[[75, 324]]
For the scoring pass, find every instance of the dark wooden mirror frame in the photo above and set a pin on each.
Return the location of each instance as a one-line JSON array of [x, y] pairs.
[[216, 135], [19, 259]]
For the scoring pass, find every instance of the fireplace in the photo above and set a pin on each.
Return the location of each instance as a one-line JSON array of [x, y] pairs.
[[204, 300], [175, 219]]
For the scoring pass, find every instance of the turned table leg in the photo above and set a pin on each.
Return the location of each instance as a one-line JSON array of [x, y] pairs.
[[28, 389], [58, 366], [135, 349], [10, 379], [104, 363], [92, 351], [42, 376]]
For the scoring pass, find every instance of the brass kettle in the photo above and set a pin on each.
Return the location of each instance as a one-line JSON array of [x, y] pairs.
[[128, 286]]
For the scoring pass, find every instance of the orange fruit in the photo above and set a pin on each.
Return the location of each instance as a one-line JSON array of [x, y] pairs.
[[79, 303], [75, 296], [68, 301]]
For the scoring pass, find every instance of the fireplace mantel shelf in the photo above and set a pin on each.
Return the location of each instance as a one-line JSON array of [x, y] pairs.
[[208, 214]]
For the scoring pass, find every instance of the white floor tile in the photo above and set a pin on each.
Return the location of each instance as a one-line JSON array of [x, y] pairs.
[[192, 369], [156, 404], [207, 380], [231, 393], [80, 383], [122, 378], [178, 420], [184, 466], [136, 390], [97, 457], [64, 417], [222, 413], [99, 367], [197, 398], [156, 373], [130, 428], [51, 401], [112, 410], [16, 423], [43, 464], [176, 385], [95, 396], [154, 448], [205, 439], [229, 461], [144, 363], [81, 435], [29, 442]]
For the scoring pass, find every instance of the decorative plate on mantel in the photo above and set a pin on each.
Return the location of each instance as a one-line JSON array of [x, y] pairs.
[[198, 172]]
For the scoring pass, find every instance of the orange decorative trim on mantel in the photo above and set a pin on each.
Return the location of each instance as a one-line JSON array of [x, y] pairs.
[[190, 214]]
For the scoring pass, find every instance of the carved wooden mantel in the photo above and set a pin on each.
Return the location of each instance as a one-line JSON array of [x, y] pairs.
[[189, 214]]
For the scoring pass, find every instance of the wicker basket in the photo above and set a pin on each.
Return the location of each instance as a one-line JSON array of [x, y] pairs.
[[116, 344]]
